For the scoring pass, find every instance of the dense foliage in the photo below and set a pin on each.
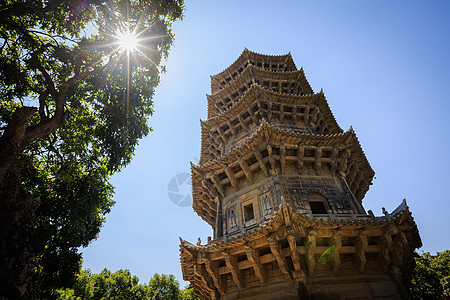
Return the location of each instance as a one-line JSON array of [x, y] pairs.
[[122, 285], [431, 277], [68, 121]]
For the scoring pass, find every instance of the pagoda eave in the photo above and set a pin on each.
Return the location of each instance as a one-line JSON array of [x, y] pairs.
[[376, 234], [360, 173], [257, 92], [269, 132], [248, 56], [251, 72], [284, 82]]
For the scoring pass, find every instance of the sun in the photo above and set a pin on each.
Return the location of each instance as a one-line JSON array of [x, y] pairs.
[[127, 41]]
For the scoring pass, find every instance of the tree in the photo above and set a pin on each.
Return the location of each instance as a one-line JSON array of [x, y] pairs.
[[187, 294], [163, 287], [73, 105], [122, 285], [431, 277]]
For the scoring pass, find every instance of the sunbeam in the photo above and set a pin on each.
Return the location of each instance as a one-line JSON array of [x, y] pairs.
[[127, 41]]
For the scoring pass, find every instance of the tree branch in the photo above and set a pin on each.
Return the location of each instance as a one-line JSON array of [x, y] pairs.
[[21, 9], [48, 79], [50, 125], [18, 134], [42, 97]]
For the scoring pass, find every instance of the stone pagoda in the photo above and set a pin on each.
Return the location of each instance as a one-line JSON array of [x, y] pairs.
[[281, 185]]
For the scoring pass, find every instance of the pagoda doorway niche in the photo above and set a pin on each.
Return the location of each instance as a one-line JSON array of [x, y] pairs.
[[249, 213], [317, 203]]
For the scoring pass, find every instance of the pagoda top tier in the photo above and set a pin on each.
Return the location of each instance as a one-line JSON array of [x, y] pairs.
[[275, 63]]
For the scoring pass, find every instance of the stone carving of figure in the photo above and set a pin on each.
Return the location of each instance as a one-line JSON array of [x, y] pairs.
[[295, 196], [232, 218], [266, 205]]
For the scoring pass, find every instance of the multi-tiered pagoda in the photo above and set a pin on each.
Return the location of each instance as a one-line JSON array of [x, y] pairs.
[[281, 184]]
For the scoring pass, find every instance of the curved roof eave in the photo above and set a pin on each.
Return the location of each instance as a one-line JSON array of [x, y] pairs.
[[258, 133], [246, 54], [398, 215], [256, 90]]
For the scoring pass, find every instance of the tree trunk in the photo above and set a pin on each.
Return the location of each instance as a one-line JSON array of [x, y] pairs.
[[17, 227], [12, 139]]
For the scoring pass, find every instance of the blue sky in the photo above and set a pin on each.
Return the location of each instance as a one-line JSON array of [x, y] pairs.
[[384, 67]]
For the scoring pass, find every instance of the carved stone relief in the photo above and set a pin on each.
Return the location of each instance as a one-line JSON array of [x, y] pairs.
[[296, 197], [266, 204], [231, 218]]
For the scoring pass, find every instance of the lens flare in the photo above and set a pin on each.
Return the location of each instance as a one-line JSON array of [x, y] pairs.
[[127, 41]]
